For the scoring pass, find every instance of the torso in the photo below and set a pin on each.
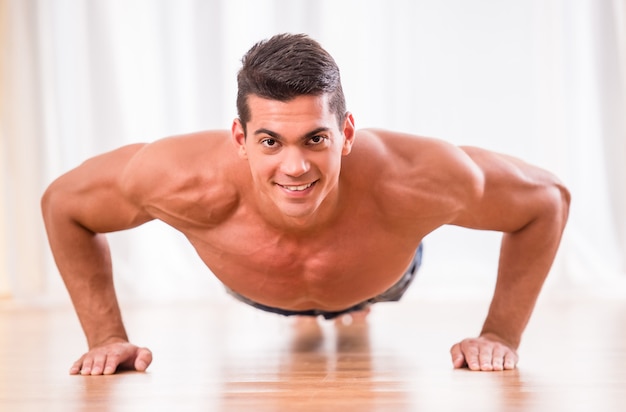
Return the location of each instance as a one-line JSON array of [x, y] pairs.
[[365, 250]]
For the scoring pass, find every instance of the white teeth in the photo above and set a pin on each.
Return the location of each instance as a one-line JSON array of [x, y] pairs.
[[298, 188]]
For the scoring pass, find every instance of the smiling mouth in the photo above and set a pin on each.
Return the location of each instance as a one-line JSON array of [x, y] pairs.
[[297, 188]]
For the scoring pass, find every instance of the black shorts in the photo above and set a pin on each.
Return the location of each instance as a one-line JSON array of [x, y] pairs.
[[393, 294]]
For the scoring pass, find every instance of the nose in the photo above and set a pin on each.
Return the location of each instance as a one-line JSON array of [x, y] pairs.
[[294, 163]]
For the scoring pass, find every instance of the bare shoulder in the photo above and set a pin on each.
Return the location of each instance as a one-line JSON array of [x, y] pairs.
[[420, 174], [416, 151], [184, 179], [514, 193]]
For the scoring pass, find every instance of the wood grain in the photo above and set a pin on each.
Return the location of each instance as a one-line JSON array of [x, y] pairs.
[[228, 357]]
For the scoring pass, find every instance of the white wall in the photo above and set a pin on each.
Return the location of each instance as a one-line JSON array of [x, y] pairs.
[[542, 80]]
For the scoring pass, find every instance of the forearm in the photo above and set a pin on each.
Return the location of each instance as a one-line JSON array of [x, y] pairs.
[[526, 257], [84, 261]]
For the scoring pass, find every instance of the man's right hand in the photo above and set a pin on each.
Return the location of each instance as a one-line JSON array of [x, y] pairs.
[[107, 358]]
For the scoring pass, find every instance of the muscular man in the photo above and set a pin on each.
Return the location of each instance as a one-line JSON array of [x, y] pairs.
[[298, 213]]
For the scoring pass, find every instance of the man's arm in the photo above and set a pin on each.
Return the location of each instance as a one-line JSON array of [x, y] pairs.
[[77, 209], [530, 206]]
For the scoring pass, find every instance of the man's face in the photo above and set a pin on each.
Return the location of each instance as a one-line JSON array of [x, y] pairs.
[[294, 150]]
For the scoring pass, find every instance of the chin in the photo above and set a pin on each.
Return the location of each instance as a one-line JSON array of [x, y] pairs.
[[297, 212], [297, 209]]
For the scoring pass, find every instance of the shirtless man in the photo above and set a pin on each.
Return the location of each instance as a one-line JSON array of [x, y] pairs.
[[297, 212]]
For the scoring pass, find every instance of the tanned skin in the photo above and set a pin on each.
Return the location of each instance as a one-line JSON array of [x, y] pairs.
[[302, 212]]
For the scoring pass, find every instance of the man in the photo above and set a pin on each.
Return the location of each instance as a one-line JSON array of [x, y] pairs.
[[298, 213]]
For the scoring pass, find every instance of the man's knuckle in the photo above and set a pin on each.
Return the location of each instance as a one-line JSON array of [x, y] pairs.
[[114, 356]]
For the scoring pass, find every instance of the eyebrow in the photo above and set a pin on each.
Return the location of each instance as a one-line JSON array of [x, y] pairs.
[[275, 135]]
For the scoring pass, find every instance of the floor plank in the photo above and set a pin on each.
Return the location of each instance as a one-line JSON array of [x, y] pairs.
[[228, 357]]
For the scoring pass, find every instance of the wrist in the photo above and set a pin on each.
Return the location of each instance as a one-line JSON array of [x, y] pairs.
[[512, 343], [108, 340]]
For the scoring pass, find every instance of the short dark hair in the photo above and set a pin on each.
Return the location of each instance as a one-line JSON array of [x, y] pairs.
[[287, 66]]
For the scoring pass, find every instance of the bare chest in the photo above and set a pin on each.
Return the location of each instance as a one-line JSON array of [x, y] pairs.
[[331, 270]]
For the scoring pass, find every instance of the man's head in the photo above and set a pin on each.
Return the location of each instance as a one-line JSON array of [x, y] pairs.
[[287, 66], [293, 128]]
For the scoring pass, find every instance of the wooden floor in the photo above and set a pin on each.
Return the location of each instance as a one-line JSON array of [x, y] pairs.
[[228, 357]]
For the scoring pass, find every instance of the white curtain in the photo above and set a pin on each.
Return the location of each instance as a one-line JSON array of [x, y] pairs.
[[544, 80]]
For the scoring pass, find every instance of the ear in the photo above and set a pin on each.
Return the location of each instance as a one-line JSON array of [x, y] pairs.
[[349, 133], [239, 138]]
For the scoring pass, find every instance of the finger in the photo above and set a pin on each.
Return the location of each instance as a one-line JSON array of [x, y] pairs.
[[497, 361], [98, 364], [144, 359], [85, 369], [458, 360], [510, 360], [111, 364], [472, 359], [77, 366], [485, 358]]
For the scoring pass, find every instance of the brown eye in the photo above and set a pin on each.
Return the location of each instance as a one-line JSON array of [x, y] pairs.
[[268, 142], [316, 140]]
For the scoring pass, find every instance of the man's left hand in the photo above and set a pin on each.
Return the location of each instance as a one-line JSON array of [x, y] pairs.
[[485, 353]]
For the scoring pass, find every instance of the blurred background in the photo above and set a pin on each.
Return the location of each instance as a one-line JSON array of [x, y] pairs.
[[543, 80]]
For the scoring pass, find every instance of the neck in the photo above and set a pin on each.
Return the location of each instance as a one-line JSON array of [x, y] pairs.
[[324, 216]]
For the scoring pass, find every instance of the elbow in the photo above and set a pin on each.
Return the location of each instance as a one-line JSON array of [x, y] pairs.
[[565, 199], [58, 208], [47, 199], [559, 204], [53, 202], [47, 203], [477, 184]]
